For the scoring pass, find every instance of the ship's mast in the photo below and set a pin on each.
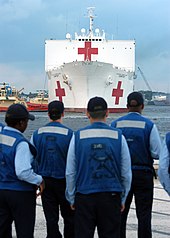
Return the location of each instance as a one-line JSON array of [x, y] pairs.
[[91, 16]]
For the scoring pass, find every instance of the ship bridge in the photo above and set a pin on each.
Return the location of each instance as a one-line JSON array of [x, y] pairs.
[[95, 36]]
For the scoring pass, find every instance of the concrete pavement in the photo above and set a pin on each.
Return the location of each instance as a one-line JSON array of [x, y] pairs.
[[160, 217]]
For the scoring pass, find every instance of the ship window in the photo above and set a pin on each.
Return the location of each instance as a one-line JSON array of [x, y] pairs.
[[89, 39], [93, 39], [100, 39], [82, 39], [96, 39], [79, 39]]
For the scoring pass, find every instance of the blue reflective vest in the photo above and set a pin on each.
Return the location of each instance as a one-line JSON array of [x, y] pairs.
[[8, 179], [136, 130], [52, 142], [168, 146], [98, 159]]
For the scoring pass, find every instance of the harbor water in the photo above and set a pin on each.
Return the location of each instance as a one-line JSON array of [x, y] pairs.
[[160, 115]]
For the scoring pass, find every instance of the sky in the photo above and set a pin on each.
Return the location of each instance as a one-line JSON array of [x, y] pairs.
[[26, 24]]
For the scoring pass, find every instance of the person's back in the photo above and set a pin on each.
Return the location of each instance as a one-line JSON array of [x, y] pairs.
[[100, 149], [136, 130], [164, 164], [18, 181], [98, 175], [52, 142], [144, 145]]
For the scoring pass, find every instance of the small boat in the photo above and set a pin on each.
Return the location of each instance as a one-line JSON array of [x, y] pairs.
[[162, 100], [9, 95], [38, 103]]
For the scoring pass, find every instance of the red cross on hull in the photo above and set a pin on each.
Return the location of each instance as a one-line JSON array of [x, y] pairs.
[[87, 51], [60, 92], [117, 93]]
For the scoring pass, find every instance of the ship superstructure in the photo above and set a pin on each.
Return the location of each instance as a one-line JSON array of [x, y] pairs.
[[88, 66]]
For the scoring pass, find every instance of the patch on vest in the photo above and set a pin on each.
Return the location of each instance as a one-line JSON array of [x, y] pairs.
[[98, 146], [101, 162]]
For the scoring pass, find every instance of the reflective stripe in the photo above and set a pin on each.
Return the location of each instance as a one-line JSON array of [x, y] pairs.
[[7, 140], [91, 133], [134, 124], [53, 129]]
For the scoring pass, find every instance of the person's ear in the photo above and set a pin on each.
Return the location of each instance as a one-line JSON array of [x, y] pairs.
[[107, 113], [87, 114]]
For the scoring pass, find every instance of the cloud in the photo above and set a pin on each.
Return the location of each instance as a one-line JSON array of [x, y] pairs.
[[11, 10], [30, 78], [26, 24]]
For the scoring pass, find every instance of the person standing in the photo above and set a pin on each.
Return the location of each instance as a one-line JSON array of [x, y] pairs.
[[144, 145], [52, 142], [98, 175], [18, 182], [164, 164]]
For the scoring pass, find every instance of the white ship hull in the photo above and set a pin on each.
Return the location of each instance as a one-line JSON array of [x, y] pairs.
[[90, 66], [89, 79]]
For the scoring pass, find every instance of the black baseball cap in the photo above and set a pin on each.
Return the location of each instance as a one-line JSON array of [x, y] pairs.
[[135, 99], [56, 107], [18, 111], [96, 104]]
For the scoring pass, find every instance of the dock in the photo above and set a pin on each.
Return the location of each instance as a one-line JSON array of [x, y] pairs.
[[160, 217]]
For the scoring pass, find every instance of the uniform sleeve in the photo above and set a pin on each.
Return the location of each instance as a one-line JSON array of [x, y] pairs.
[[32, 140], [164, 161], [126, 172], [23, 168], [71, 172], [155, 143]]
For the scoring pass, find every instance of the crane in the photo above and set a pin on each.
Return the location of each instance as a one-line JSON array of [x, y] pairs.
[[149, 94], [143, 76], [20, 90]]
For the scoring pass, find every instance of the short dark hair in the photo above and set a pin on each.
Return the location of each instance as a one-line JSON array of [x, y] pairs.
[[97, 107], [55, 110], [98, 114], [17, 112], [13, 122], [96, 104], [135, 99]]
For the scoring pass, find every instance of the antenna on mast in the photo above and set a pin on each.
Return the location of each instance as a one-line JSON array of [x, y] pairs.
[[91, 15]]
